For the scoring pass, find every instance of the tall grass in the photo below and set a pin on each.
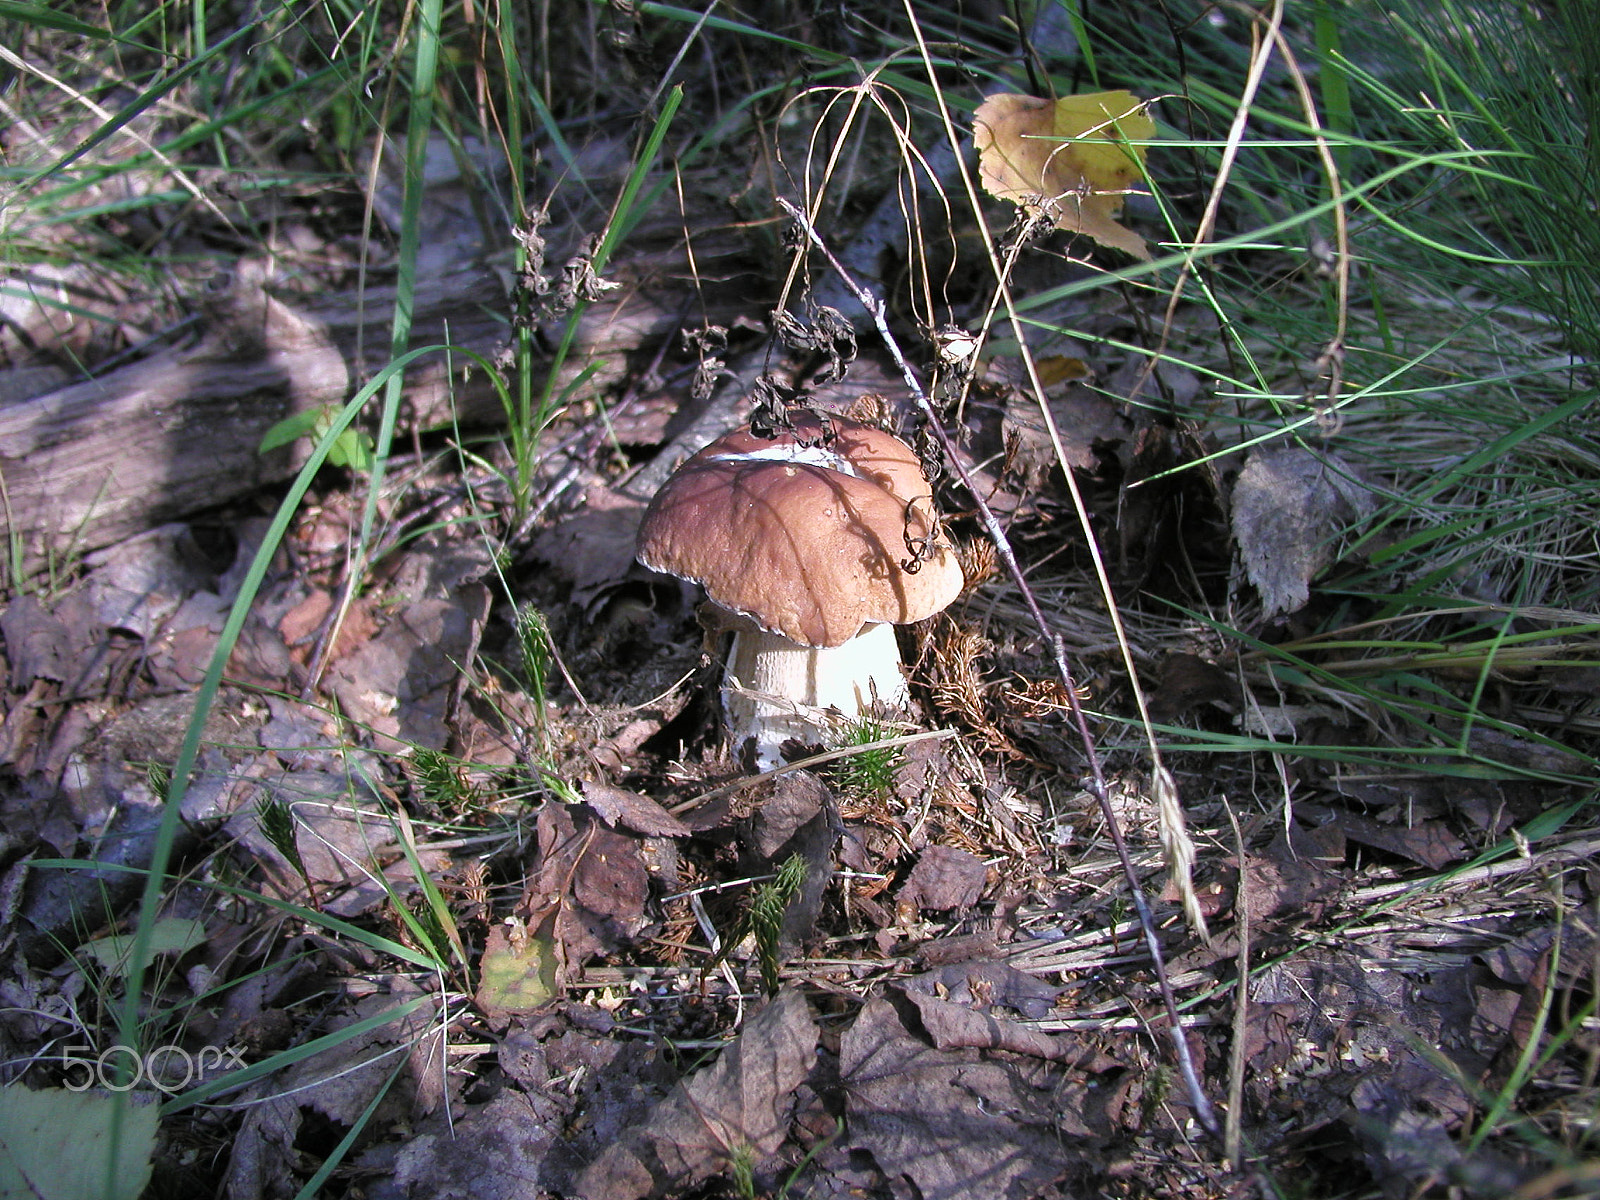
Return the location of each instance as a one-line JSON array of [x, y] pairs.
[[1447, 150]]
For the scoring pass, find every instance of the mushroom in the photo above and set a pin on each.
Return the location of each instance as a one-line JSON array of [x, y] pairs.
[[817, 542]]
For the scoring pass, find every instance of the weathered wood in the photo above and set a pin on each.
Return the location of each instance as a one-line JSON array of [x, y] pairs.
[[87, 465]]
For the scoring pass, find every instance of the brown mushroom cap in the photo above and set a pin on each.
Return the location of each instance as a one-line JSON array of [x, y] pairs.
[[804, 549]]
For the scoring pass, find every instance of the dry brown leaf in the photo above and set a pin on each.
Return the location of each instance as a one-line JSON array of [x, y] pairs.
[[739, 1105], [1431, 843], [618, 806], [594, 547], [943, 1119], [1292, 890], [787, 803], [1289, 507], [1187, 682], [984, 983], [403, 684], [945, 878], [345, 839], [591, 878], [798, 817], [493, 1151], [1070, 155], [1084, 419], [960, 1027], [1517, 962], [339, 1083], [300, 625], [1335, 1020], [611, 881], [41, 645]]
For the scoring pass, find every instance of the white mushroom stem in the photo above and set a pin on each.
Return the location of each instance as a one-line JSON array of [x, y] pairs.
[[777, 689]]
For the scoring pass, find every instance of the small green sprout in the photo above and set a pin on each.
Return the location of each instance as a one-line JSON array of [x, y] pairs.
[[868, 772], [438, 777], [352, 448]]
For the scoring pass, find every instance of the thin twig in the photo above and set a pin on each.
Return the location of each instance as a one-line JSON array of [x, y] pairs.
[[997, 535], [804, 764]]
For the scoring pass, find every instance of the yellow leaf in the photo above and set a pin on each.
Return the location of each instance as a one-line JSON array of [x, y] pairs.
[[1058, 368], [1069, 156]]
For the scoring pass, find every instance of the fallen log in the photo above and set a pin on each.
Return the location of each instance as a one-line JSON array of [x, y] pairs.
[[87, 465]]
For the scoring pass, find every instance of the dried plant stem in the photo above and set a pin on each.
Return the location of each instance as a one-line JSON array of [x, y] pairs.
[[1002, 545], [1233, 1132]]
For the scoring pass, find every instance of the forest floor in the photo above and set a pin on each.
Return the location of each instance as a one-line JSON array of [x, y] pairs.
[[464, 894]]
